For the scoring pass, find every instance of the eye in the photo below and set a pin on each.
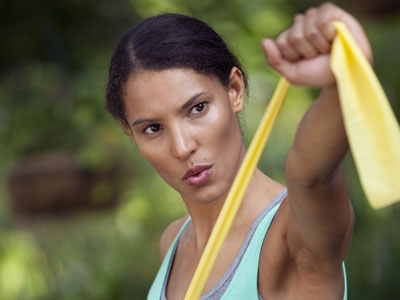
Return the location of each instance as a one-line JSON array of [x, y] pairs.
[[198, 108], [152, 129]]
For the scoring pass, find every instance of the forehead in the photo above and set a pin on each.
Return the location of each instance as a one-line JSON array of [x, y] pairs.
[[146, 91]]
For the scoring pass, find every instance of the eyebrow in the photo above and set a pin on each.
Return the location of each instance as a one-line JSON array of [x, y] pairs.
[[191, 101], [187, 104]]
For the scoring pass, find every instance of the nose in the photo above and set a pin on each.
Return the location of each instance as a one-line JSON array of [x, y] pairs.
[[182, 143]]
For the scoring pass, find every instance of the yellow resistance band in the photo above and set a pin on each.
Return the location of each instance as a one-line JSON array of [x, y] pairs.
[[236, 193], [358, 85], [371, 127]]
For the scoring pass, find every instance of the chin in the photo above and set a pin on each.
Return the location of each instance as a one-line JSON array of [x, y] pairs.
[[206, 194]]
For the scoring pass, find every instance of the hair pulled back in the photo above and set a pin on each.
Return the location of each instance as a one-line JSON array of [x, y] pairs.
[[162, 42]]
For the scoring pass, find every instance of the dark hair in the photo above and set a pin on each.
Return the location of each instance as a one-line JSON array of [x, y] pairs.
[[167, 41]]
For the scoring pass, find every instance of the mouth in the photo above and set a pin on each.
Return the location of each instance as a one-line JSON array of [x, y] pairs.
[[198, 175]]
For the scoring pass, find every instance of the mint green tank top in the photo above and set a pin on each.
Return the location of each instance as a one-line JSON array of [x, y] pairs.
[[240, 280]]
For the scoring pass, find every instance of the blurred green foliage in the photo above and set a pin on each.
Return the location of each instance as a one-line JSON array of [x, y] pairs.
[[53, 71]]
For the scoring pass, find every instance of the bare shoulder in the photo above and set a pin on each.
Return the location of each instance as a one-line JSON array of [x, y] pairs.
[[169, 235]]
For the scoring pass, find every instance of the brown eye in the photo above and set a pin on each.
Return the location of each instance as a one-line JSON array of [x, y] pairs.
[[153, 128], [198, 108]]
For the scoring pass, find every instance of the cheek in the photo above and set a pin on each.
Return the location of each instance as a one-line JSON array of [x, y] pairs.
[[224, 132], [155, 155]]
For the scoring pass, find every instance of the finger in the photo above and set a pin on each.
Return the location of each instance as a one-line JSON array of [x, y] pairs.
[[324, 20], [276, 60], [313, 34], [298, 40], [287, 50], [272, 52], [329, 12]]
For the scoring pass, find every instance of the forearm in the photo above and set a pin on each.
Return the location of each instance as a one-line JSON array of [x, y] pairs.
[[320, 142], [321, 216], [301, 54]]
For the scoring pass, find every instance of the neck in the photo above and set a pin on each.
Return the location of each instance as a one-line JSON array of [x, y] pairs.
[[205, 214]]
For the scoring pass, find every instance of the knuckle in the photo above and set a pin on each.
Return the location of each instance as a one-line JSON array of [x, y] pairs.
[[282, 41], [282, 34], [328, 5], [298, 17], [295, 39], [324, 23], [312, 35], [320, 23], [282, 44], [311, 11]]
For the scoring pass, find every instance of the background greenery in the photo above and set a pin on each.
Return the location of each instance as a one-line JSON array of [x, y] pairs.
[[53, 70]]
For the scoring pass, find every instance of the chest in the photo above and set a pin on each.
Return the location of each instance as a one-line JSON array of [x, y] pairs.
[[273, 275], [185, 262]]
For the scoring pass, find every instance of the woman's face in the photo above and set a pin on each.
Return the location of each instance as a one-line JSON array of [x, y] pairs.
[[185, 125]]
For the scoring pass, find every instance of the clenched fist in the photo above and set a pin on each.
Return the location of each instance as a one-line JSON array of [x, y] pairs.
[[301, 53]]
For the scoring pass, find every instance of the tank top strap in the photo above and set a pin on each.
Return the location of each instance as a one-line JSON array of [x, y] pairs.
[[244, 283], [158, 283]]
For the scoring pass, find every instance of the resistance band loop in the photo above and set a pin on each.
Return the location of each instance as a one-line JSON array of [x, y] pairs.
[[372, 131]]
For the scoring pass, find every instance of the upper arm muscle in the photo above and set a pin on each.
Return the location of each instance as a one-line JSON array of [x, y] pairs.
[[321, 218]]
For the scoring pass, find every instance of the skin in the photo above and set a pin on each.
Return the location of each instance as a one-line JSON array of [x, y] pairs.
[[302, 254]]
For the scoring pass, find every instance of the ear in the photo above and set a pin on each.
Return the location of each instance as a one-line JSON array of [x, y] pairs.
[[236, 90], [128, 129]]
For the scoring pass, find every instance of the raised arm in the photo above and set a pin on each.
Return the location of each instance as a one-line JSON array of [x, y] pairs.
[[321, 216]]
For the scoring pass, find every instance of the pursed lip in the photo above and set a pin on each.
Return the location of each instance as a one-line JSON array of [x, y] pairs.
[[195, 170]]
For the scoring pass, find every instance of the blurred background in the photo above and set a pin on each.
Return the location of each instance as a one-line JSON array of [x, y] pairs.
[[81, 213]]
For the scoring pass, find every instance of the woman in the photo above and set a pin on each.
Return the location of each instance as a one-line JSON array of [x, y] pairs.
[[177, 91]]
